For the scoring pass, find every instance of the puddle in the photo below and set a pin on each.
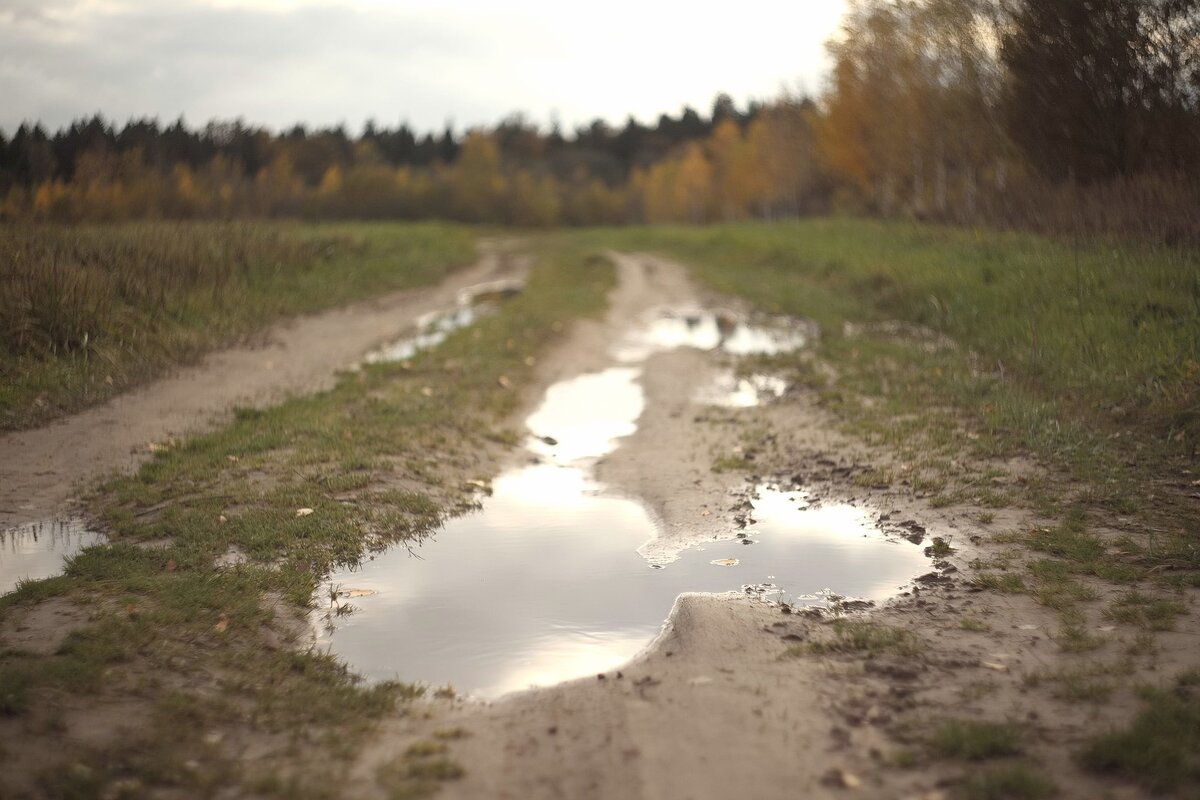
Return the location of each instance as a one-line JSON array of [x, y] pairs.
[[39, 549], [669, 329], [545, 584], [729, 391], [582, 418], [474, 302]]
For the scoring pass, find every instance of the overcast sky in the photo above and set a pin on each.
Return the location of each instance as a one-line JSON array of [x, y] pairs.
[[278, 62]]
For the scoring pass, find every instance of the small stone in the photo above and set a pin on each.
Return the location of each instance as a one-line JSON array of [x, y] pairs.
[[841, 779]]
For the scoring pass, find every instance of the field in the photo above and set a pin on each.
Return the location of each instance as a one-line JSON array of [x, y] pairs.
[[91, 311]]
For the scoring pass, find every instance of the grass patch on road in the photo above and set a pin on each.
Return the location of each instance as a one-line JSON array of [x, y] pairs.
[[1159, 749], [863, 636], [974, 740], [89, 311], [169, 626]]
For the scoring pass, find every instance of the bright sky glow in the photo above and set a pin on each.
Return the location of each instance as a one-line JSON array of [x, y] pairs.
[[277, 62]]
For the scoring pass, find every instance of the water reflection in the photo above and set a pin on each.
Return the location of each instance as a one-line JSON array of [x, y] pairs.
[[39, 549], [433, 328], [583, 417], [669, 329], [546, 583], [730, 391]]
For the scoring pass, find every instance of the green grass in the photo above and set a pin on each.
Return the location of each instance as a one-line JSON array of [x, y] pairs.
[[1008, 782], [1159, 749], [861, 636], [167, 618], [972, 740], [1147, 611], [89, 311]]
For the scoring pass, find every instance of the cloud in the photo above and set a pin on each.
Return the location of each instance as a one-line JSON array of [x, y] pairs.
[[281, 61]]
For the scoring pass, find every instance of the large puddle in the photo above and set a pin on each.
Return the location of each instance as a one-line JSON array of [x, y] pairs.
[[39, 549], [545, 583]]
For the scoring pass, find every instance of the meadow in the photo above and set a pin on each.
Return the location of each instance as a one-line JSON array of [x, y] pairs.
[[91, 310]]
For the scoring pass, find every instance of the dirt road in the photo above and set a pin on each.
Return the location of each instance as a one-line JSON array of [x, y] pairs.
[[41, 470], [737, 697], [727, 702]]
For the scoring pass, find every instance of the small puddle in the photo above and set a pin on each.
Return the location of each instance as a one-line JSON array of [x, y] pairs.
[[474, 302], [671, 328], [545, 584], [39, 549], [730, 391]]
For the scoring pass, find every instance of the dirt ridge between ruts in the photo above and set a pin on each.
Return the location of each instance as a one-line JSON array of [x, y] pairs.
[[42, 470]]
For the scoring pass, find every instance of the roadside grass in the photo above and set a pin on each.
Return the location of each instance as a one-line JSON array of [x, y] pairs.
[[172, 630], [89, 311], [1160, 748]]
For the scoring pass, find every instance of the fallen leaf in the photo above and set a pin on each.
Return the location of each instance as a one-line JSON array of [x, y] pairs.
[[222, 519], [303, 512], [504, 382], [428, 392], [993, 665]]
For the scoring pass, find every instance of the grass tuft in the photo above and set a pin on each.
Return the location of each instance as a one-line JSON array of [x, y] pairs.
[[1159, 749], [973, 740]]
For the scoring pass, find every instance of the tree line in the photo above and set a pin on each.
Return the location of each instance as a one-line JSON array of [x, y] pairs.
[[1054, 114]]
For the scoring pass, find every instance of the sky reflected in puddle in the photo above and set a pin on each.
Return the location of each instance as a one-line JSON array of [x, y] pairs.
[[730, 391], [669, 329], [39, 549], [546, 584]]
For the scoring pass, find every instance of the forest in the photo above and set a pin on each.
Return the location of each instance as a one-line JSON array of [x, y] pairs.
[[1056, 115]]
